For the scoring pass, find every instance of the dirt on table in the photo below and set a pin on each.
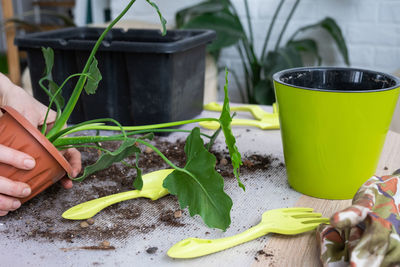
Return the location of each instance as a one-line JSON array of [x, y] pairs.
[[40, 218]]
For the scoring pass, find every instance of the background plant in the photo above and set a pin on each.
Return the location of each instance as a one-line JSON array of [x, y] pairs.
[[221, 16], [197, 185]]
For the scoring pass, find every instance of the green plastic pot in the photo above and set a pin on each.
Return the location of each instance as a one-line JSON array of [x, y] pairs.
[[333, 124]]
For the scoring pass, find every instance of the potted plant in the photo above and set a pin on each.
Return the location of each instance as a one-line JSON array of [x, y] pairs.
[[206, 197], [258, 68]]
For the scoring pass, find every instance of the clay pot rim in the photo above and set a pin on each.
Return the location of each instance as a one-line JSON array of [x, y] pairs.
[[39, 137]]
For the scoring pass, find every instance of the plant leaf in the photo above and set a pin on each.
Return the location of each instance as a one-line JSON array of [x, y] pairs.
[[227, 26], [307, 46], [225, 122], [264, 92], [126, 149], [93, 79], [199, 186], [48, 55], [284, 58], [138, 182], [162, 19], [334, 30], [186, 14]]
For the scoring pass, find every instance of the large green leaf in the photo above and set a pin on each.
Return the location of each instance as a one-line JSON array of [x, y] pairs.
[[225, 122], [307, 46], [199, 186], [126, 149], [284, 58], [264, 92], [334, 30], [162, 19], [186, 14], [93, 79], [227, 26]]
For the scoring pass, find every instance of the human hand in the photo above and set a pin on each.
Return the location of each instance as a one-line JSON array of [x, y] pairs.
[[73, 156], [11, 190], [17, 98], [34, 112]]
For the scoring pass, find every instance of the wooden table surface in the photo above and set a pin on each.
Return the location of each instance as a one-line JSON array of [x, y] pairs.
[[302, 250]]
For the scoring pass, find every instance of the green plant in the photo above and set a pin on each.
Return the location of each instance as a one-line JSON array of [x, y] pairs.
[[198, 185], [221, 16], [25, 22]]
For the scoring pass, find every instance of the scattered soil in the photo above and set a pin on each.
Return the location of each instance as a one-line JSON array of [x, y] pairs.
[[152, 250], [262, 253], [40, 217], [89, 248], [168, 218]]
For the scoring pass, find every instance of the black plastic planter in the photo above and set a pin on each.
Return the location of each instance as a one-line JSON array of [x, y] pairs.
[[147, 78]]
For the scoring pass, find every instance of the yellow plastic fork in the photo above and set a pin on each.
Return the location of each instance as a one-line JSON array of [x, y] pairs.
[[287, 221], [263, 120]]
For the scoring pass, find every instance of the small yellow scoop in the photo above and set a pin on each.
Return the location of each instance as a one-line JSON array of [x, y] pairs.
[[152, 188]]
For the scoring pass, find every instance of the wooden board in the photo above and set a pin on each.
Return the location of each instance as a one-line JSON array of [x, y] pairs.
[[12, 50], [301, 250]]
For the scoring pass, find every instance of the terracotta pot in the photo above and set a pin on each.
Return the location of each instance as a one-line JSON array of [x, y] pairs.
[[18, 133]]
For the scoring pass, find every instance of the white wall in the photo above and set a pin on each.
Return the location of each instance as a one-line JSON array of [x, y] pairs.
[[370, 27]]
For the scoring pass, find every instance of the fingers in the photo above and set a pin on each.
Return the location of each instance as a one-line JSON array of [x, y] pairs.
[[66, 183], [8, 191], [13, 188], [16, 158], [74, 158]]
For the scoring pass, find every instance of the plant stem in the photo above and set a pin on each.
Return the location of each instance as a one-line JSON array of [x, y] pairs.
[[271, 26], [81, 126], [213, 138], [53, 98], [241, 92], [247, 75], [77, 140], [145, 127], [161, 155], [167, 160], [79, 85], [246, 5], [49, 94], [286, 24]]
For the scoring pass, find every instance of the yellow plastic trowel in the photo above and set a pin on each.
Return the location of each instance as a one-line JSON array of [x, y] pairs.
[[152, 188], [263, 120]]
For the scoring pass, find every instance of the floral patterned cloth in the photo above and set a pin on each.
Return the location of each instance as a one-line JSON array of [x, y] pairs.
[[368, 232]]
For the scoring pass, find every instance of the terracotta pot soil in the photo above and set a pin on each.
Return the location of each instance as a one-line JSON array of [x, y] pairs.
[[18, 133]]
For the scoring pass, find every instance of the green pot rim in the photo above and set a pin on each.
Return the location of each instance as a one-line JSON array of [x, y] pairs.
[[277, 75]]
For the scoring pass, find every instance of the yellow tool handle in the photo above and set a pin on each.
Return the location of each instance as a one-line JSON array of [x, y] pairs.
[[266, 124], [90, 208], [255, 110], [196, 247]]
